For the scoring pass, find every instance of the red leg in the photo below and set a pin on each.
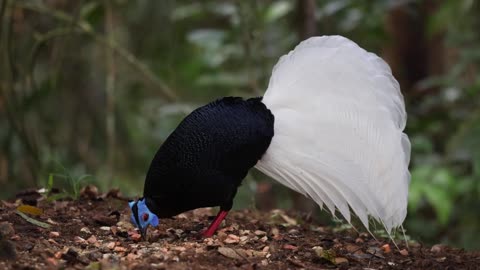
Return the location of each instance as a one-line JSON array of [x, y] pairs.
[[216, 222]]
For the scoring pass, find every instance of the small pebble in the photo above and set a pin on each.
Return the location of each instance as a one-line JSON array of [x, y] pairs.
[[54, 234]]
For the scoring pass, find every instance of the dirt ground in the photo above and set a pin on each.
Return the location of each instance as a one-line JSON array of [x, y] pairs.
[[93, 232]]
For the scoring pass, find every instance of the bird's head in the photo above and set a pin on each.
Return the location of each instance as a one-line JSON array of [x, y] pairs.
[[141, 216]]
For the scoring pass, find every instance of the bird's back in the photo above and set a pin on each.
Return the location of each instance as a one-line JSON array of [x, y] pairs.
[[204, 160]]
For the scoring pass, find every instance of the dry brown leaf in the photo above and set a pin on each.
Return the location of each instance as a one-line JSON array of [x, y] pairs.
[[241, 254], [31, 210], [230, 253], [289, 220]]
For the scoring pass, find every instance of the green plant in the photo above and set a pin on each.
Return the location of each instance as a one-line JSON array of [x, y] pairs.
[[71, 184]]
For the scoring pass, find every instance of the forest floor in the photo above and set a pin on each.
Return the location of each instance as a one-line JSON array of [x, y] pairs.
[[93, 232]]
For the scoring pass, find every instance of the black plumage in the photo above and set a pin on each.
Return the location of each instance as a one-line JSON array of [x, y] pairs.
[[204, 160]]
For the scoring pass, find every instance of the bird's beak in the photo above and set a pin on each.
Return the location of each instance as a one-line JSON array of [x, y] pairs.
[[143, 232]]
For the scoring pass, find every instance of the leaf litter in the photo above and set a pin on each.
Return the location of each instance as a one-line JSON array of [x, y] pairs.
[[94, 232]]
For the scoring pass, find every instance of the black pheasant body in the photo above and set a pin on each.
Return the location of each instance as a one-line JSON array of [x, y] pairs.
[[202, 163]]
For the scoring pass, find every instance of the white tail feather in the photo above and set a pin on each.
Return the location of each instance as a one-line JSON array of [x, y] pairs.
[[339, 120]]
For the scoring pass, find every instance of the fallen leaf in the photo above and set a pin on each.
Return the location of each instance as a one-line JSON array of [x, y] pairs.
[[288, 220], [33, 221], [31, 210], [241, 254], [229, 253]]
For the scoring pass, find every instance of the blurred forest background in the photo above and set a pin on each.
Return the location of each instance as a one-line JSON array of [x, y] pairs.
[[89, 89]]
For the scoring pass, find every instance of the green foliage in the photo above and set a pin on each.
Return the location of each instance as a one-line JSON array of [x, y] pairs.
[[70, 184]]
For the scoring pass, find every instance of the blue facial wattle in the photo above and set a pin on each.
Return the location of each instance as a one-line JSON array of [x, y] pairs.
[[142, 211]]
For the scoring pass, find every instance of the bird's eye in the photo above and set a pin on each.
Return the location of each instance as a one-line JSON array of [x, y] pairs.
[[145, 216]]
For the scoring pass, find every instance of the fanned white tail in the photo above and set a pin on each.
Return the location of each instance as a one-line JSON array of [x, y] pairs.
[[339, 120]]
